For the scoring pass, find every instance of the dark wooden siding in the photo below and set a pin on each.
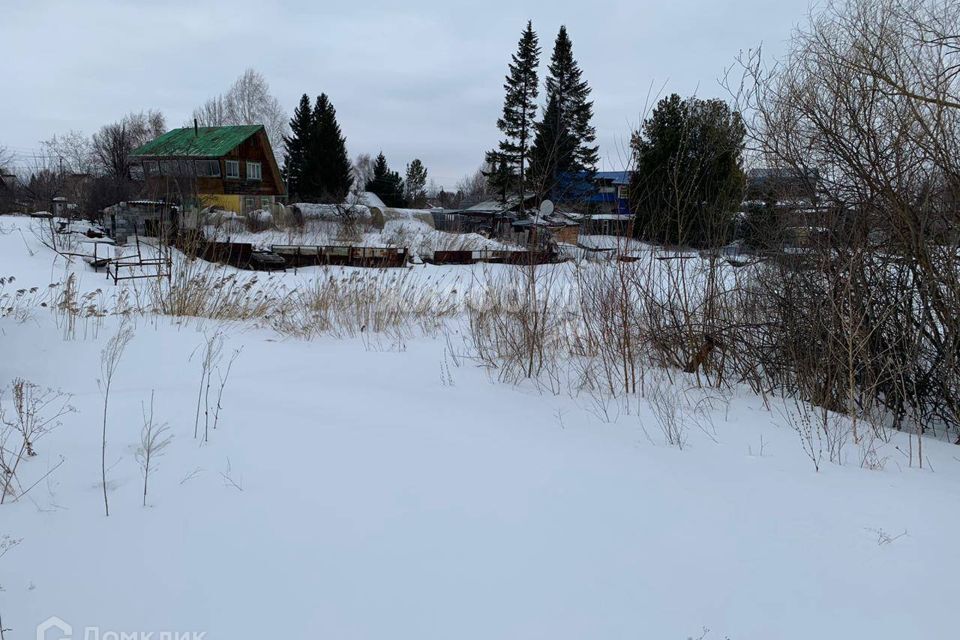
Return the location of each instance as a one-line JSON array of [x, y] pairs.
[[256, 148]]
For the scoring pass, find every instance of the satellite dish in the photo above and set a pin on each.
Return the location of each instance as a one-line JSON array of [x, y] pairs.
[[546, 208]]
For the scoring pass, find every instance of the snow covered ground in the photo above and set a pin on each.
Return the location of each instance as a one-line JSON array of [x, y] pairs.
[[383, 487]]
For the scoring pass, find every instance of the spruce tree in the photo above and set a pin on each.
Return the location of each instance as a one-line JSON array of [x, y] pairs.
[[519, 115], [415, 191], [328, 152], [296, 147], [553, 153], [316, 151], [565, 85], [386, 184], [689, 181], [499, 174]]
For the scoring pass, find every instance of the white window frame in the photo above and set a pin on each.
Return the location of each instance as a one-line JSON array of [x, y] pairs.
[[258, 171], [623, 192], [235, 174]]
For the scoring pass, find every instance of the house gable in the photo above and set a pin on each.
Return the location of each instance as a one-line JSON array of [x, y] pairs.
[[171, 157]]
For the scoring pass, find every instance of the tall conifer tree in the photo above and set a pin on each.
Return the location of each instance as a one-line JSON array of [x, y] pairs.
[[329, 153], [519, 115], [565, 85], [386, 184], [553, 153], [415, 185], [296, 146]]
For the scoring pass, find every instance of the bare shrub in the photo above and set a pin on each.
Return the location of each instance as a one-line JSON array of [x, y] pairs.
[[869, 456], [199, 289], [109, 361], [669, 407], [210, 353], [36, 412], [223, 376], [799, 418], [71, 307], [154, 439], [515, 323], [357, 302], [866, 107], [609, 335], [19, 303]]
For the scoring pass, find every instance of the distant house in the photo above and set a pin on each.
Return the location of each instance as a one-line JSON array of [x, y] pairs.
[[783, 185], [608, 224], [228, 168], [605, 192], [555, 226], [612, 194], [490, 217]]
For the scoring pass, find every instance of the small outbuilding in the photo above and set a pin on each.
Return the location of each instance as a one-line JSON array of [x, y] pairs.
[[150, 218]]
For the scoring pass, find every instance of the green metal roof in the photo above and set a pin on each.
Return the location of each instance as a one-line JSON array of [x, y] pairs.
[[205, 142]]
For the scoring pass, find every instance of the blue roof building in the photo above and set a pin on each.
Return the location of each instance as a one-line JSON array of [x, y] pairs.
[[612, 192], [607, 192]]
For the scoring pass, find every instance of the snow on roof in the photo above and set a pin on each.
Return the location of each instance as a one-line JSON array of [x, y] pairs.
[[499, 205], [366, 198], [489, 205], [616, 177], [552, 220], [612, 216]]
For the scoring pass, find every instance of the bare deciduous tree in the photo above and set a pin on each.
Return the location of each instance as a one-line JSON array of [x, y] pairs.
[[212, 113], [362, 170], [114, 142], [73, 151], [6, 159], [247, 101], [474, 187]]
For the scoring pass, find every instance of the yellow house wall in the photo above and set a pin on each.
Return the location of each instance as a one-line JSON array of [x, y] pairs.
[[235, 203], [222, 201]]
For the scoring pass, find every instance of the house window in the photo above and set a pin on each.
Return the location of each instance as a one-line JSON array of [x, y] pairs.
[[151, 168], [623, 192], [253, 171], [136, 172], [249, 203], [208, 168], [233, 169], [168, 167], [265, 201]]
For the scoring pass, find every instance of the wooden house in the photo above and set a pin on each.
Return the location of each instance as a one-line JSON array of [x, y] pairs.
[[229, 168]]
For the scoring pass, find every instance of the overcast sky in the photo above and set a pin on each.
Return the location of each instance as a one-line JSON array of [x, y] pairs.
[[414, 79]]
